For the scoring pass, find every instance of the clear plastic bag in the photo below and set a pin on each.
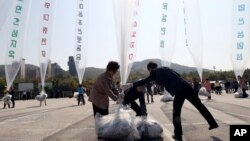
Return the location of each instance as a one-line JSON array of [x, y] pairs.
[[41, 97], [116, 126], [7, 99], [203, 91], [167, 97], [148, 128]]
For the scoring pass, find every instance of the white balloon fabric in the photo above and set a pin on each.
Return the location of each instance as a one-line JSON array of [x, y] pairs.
[[16, 29], [168, 30], [5, 6], [240, 48], [82, 20], [47, 14], [193, 32], [126, 14]]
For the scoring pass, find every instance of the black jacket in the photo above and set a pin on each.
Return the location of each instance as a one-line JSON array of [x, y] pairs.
[[166, 77]]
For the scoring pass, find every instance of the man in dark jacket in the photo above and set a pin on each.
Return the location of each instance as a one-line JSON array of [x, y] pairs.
[[12, 93], [182, 90], [133, 93]]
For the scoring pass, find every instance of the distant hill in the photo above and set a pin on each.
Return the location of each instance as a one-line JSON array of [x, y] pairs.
[[138, 67]]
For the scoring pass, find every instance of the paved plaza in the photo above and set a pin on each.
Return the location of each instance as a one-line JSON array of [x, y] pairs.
[[63, 120]]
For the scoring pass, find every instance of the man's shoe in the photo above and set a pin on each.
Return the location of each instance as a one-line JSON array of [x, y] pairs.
[[177, 138], [213, 126]]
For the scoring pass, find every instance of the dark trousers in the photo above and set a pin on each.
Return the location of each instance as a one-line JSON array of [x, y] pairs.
[[80, 97], [99, 110], [13, 102], [151, 94], [4, 105], [189, 94], [244, 93], [130, 98]]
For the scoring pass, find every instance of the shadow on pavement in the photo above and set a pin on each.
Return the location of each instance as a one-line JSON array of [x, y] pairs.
[[215, 138], [151, 139]]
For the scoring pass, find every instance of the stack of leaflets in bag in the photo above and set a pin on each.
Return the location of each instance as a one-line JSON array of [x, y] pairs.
[[239, 93], [41, 97], [118, 126], [167, 96], [148, 128], [7, 99], [203, 91]]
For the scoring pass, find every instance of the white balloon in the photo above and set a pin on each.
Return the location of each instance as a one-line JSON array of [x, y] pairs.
[[193, 32], [240, 48], [5, 7], [47, 15], [16, 30], [168, 30], [82, 20], [126, 13]]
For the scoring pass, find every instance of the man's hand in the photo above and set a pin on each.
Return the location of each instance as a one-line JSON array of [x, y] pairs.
[[120, 97]]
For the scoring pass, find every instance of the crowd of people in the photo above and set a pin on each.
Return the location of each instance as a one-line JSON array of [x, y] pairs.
[[159, 78]]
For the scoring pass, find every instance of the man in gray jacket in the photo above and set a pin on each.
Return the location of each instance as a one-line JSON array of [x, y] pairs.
[[104, 88]]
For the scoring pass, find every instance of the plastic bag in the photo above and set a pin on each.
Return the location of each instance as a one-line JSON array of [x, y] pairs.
[[116, 126], [148, 128], [239, 93], [167, 97], [203, 91], [7, 99], [41, 97]]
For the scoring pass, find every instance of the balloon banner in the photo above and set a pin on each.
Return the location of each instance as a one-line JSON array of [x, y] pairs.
[[240, 49], [193, 32], [81, 39], [16, 30], [47, 15], [168, 30], [5, 6], [126, 21]]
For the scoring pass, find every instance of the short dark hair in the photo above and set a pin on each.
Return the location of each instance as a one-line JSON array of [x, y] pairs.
[[152, 65], [112, 66]]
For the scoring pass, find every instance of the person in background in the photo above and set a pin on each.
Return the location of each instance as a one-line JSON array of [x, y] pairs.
[[217, 87], [12, 93], [196, 86], [181, 90], [81, 91], [149, 92], [207, 85], [104, 88], [243, 86]]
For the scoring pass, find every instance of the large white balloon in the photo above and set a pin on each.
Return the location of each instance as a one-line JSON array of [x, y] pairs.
[[82, 20], [169, 16], [126, 13], [47, 15], [193, 32], [5, 7], [240, 49], [15, 28]]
